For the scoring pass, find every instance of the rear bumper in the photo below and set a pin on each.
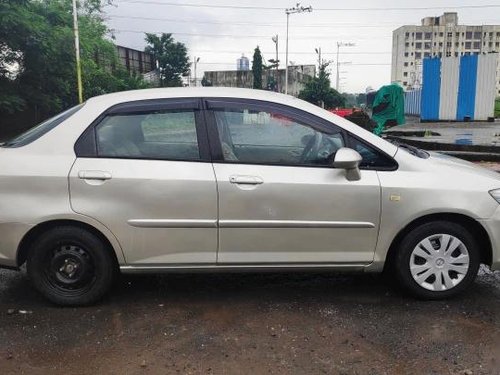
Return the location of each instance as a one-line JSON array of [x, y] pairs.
[[11, 235], [492, 226]]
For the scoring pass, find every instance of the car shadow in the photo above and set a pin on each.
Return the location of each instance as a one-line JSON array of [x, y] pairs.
[[340, 288]]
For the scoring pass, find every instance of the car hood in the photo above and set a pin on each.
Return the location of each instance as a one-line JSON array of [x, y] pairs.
[[463, 166]]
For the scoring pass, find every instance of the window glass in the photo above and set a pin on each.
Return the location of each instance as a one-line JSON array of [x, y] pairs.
[[266, 137], [372, 158], [41, 129], [158, 135]]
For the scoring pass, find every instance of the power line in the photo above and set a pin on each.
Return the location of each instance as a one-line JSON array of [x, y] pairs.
[[246, 36], [322, 25], [344, 66], [281, 24], [300, 52], [249, 7], [197, 52]]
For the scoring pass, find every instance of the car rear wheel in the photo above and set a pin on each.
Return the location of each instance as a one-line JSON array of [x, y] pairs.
[[437, 260], [71, 266]]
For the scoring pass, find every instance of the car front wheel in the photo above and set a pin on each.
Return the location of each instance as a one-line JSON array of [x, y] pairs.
[[437, 260], [71, 266]]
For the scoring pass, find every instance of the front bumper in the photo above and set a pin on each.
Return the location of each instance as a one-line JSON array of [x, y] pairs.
[[492, 226]]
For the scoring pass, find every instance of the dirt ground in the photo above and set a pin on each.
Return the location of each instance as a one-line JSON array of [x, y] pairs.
[[251, 324]]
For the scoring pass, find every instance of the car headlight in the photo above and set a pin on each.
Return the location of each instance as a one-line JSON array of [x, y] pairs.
[[496, 195]]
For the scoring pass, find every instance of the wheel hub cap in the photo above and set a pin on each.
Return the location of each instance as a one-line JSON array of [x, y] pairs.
[[439, 262]]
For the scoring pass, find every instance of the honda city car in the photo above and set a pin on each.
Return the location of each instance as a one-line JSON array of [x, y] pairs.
[[211, 179]]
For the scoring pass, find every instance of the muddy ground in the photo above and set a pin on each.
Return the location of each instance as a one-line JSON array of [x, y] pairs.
[[251, 324]]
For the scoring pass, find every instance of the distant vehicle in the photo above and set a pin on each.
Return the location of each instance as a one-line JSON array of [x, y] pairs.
[[208, 179]]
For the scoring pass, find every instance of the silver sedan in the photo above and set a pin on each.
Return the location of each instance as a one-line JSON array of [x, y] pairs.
[[209, 179]]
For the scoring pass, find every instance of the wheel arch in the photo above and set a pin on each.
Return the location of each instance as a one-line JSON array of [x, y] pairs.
[[37, 230], [476, 229]]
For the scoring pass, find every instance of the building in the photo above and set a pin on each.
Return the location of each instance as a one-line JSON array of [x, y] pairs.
[[243, 63], [298, 76], [135, 61], [139, 62], [438, 37]]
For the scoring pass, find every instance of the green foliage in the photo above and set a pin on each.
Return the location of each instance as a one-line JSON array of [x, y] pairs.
[[360, 100], [350, 100], [205, 82], [257, 67], [497, 107], [272, 84], [354, 100], [37, 61], [171, 56], [319, 91]]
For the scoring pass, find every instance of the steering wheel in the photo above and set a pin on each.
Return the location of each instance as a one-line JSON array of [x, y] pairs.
[[312, 147]]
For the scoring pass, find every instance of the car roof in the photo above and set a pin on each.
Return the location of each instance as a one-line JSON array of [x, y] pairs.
[[188, 92]]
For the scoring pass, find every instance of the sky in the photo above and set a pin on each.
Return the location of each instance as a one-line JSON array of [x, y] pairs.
[[220, 31]]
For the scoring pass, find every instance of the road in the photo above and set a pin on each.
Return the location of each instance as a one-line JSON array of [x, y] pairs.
[[251, 324]]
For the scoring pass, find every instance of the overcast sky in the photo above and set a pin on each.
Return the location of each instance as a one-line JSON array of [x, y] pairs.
[[220, 35]]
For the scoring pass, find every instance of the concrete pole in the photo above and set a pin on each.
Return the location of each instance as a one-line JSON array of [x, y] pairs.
[[77, 54], [196, 59], [286, 54], [338, 65], [277, 73]]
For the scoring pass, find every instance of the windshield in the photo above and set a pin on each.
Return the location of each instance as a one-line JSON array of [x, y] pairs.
[[41, 129]]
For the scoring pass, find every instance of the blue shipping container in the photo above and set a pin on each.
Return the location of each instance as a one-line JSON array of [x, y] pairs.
[[431, 89], [458, 88]]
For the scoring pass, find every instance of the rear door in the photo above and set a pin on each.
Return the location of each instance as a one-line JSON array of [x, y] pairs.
[[143, 170]]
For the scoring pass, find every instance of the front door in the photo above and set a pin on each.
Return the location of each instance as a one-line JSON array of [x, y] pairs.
[[148, 178], [280, 200]]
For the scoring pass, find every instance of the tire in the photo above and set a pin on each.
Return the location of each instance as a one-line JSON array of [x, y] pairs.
[[71, 266], [441, 268]]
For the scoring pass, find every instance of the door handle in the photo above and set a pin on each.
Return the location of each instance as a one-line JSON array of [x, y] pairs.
[[246, 180], [94, 175]]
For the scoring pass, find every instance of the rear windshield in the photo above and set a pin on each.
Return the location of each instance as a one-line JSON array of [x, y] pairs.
[[41, 129]]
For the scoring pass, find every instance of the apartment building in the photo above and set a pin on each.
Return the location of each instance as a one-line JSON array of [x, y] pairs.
[[438, 37]]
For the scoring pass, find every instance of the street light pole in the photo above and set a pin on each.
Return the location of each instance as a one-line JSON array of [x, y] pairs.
[[296, 9], [77, 54], [195, 64], [277, 62], [286, 53], [340, 44], [318, 51]]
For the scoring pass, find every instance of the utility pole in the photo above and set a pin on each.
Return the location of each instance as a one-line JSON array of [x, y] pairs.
[[318, 51], [340, 44], [277, 62], [195, 60], [77, 54], [296, 9]]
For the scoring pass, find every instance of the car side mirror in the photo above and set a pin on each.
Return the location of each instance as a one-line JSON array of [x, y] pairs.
[[348, 159]]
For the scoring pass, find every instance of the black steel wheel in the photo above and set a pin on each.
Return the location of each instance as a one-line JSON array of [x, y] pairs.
[[71, 266]]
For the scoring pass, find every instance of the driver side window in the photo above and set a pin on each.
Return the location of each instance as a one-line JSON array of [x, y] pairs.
[[268, 137]]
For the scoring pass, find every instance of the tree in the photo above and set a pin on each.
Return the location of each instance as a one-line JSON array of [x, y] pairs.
[[171, 57], [360, 99], [350, 100], [257, 68], [37, 61], [319, 91], [206, 82]]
